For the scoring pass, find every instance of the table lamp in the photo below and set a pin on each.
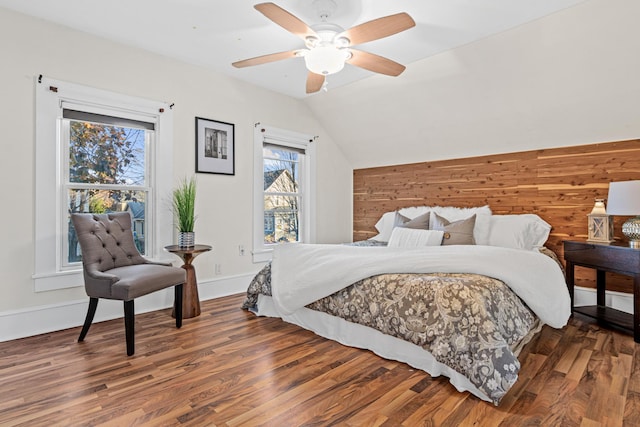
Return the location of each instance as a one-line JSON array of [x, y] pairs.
[[624, 199]]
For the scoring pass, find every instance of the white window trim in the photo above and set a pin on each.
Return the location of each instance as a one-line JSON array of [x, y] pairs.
[[262, 253], [63, 264], [48, 183]]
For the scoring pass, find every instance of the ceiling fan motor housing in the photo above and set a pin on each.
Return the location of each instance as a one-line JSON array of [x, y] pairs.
[[327, 33]]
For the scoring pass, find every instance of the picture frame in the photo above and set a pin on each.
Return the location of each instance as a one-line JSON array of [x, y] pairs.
[[215, 147]]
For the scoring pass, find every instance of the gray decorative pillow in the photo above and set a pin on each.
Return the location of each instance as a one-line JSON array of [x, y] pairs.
[[419, 223], [456, 232]]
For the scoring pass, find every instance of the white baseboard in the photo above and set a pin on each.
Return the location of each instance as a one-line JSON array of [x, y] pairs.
[[618, 300], [55, 317]]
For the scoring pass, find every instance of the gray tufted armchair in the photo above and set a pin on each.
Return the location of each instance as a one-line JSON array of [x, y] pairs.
[[114, 269]]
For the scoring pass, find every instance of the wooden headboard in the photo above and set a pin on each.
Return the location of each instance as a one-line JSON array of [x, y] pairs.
[[558, 184]]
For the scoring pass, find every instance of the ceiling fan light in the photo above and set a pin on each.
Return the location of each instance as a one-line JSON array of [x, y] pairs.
[[311, 41], [342, 41], [325, 60]]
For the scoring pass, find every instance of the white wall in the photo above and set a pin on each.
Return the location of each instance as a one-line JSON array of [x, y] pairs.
[[30, 47], [570, 78]]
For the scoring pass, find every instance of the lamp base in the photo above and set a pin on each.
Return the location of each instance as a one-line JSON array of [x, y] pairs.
[[631, 229]]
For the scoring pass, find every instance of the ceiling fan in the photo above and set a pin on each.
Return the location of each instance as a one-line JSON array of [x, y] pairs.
[[328, 46]]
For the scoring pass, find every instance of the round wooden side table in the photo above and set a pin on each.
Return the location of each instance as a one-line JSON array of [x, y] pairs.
[[190, 298]]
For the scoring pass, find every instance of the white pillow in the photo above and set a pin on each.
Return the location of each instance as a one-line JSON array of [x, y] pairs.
[[414, 238], [387, 222], [525, 231]]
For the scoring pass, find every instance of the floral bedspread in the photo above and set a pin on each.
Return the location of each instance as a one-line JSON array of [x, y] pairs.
[[472, 323]]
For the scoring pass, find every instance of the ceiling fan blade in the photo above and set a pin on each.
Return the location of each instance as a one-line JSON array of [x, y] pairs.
[[378, 28], [375, 63], [265, 59], [285, 19], [314, 82]]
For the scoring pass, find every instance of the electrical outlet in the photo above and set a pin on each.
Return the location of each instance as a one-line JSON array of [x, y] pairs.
[[218, 270], [241, 250]]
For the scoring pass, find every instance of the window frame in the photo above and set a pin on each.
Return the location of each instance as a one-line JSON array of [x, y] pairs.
[[288, 139], [67, 185], [50, 199]]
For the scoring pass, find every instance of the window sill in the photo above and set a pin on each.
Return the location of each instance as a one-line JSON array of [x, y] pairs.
[[262, 255], [44, 282]]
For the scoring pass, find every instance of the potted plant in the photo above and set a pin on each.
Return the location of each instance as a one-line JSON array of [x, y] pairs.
[[184, 202]]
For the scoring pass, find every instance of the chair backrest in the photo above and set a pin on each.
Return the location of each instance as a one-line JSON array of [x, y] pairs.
[[106, 240]]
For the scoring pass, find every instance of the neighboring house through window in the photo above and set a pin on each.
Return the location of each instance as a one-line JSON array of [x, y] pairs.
[[283, 189], [96, 152]]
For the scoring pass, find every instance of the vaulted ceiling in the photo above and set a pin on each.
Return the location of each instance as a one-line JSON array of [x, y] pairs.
[[482, 77], [216, 33]]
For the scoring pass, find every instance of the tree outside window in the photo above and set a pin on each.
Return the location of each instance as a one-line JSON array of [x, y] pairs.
[[106, 173]]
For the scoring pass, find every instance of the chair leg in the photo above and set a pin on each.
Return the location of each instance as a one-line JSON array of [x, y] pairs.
[[93, 304], [129, 326], [177, 305]]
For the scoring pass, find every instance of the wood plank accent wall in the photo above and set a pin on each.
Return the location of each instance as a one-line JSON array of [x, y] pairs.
[[558, 184]]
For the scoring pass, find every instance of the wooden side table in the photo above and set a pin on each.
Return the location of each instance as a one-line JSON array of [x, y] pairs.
[[190, 298], [617, 258]]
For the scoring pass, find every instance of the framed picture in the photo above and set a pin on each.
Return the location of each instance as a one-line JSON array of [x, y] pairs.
[[215, 147]]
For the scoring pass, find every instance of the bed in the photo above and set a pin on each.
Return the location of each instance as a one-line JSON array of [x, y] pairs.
[[460, 310]]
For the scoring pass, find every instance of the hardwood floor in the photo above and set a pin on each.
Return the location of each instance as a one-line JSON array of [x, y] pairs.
[[230, 368]]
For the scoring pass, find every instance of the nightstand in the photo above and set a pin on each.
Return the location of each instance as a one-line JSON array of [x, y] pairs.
[[617, 258]]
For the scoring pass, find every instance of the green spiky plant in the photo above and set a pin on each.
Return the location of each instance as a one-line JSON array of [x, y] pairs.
[[184, 204]]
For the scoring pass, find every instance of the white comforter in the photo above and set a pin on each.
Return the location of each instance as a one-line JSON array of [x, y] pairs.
[[303, 273]]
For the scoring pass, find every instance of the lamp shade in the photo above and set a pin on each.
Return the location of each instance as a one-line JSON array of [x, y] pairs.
[[624, 198]]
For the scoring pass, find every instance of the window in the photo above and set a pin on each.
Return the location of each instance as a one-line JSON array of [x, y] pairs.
[[97, 151], [283, 189], [282, 192], [104, 170]]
